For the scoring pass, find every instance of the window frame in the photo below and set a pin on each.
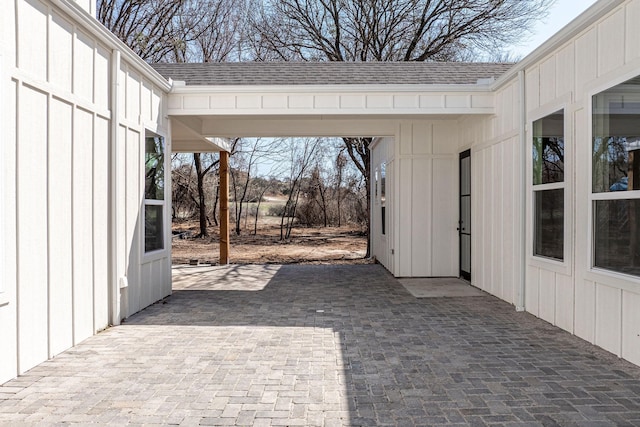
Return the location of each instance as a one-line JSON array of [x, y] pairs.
[[595, 273], [148, 256], [563, 266]]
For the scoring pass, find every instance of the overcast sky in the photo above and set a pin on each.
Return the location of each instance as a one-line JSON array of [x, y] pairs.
[[563, 12]]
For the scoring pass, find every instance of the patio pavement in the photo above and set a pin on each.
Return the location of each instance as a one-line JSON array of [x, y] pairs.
[[323, 346]]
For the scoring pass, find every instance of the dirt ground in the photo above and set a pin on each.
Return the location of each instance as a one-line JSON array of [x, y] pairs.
[[317, 245]]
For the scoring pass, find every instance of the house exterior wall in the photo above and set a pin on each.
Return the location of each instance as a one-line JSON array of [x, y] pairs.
[[56, 189], [598, 306], [139, 109], [420, 199], [496, 205], [426, 172], [383, 157]]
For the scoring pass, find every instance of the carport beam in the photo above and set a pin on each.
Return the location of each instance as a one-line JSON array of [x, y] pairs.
[[224, 208]]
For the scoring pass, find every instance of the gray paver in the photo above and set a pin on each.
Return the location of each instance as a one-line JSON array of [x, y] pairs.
[[325, 346]]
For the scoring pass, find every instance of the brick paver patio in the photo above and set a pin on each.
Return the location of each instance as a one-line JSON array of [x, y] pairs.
[[324, 346]]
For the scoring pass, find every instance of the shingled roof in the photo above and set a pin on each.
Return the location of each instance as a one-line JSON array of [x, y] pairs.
[[331, 73]]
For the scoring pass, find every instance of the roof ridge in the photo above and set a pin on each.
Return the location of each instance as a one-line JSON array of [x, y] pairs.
[[331, 73]]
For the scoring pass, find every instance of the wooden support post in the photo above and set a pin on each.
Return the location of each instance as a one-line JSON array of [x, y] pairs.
[[224, 208]]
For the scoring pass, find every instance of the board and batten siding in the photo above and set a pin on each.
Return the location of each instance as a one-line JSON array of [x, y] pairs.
[[56, 140], [496, 223], [426, 174], [139, 110], [382, 151], [600, 307]]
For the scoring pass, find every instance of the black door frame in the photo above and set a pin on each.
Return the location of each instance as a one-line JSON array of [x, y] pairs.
[[464, 229]]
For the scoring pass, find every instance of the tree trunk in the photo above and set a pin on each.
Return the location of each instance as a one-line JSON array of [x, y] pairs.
[[215, 205], [201, 199]]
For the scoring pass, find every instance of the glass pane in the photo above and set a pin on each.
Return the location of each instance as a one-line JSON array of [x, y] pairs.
[[548, 149], [549, 224], [465, 176], [465, 253], [153, 235], [154, 168], [617, 235], [616, 138], [465, 214], [383, 183]]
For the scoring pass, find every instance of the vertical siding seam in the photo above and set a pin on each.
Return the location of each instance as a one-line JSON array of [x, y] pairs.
[[594, 328], [93, 212], [19, 91], [521, 303], [621, 322], [73, 227], [555, 299], [47, 171], [48, 218], [16, 35], [112, 241]]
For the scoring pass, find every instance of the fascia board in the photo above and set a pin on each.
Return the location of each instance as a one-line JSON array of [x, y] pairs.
[[579, 24], [180, 89], [81, 16]]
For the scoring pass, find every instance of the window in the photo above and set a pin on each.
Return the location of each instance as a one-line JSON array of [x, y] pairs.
[[154, 193], [548, 186], [616, 178]]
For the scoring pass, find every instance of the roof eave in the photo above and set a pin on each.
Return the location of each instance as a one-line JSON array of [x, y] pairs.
[[180, 88]]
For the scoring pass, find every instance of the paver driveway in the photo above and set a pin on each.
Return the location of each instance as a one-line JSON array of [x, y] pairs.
[[325, 345]]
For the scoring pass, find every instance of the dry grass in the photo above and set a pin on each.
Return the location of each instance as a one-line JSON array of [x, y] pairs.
[[316, 245]]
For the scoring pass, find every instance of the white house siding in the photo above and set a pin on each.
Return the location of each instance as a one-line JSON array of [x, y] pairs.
[[8, 273], [496, 222], [426, 208], [140, 108], [55, 135], [601, 308], [382, 151]]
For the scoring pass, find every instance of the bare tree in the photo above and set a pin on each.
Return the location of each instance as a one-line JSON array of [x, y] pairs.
[[212, 31], [341, 162], [262, 187], [391, 30], [201, 172], [250, 154], [302, 153], [176, 30]]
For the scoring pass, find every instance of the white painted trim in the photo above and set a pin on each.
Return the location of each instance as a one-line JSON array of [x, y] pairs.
[[204, 90], [115, 315], [165, 252], [564, 266], [597, 274], [616, 195], [522, 131], [57, 93]]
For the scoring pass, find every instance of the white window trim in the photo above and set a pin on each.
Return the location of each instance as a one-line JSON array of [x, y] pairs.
[[565, 265], [164, 252], [598, 274]]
